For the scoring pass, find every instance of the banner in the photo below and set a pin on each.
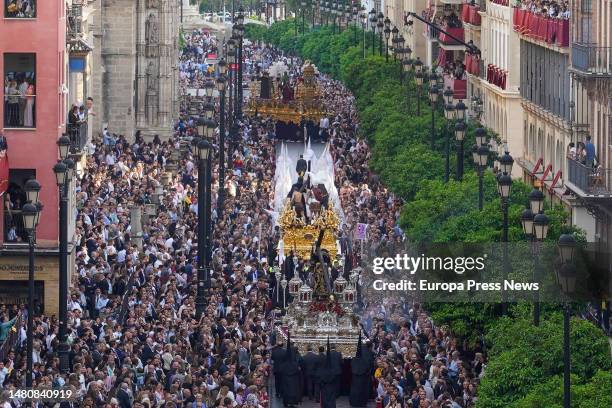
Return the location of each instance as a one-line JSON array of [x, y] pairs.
[[4, 171], [361, 231]]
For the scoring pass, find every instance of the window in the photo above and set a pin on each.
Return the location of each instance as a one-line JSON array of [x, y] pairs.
[[20, 8], [14, 199], [20, 90]]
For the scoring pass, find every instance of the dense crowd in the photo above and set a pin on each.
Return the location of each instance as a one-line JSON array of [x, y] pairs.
[[135, 338], [552, 9]]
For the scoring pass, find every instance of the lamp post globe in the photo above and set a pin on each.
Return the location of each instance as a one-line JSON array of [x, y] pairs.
[[567, 247], [60, 169], [536, 200], [481, 136], [504, 185], [32, 189], [29, 212], [63, 143], [540, 226], [506, 162]]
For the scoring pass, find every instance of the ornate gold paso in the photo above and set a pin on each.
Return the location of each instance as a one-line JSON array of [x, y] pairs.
[[301, 237], [305, 106]]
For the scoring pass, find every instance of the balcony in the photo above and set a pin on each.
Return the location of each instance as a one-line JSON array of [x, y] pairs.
[[496, 76], [591, 59], [470, 15], [14, 231], [552, 31], [459, 86], [501, 2], [587, 181], [78, 136], [431, 32], [457, 32], [472, 64]]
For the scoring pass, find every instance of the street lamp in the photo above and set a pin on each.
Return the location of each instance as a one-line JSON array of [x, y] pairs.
[[449, 114], [379, 29], [30, 213], [539, 229], [566, 277], [202, 150], [64, 172], [221, 84], [504, 187], [373, 28], [303, 3], [460, 128], [481, 157], [433, 99]]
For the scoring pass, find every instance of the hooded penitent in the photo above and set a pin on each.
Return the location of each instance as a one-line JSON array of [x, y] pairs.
[[361, 373], [328, 376], [291, 379]]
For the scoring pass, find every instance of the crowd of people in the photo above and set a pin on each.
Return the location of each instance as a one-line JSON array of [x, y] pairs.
[[136, 339], [552, 9], [19, 98]]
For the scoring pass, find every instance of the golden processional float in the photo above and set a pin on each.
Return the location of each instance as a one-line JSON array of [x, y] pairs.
[[320, 309], [283, 101]]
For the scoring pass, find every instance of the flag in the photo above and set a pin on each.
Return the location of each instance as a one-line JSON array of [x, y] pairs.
[[4, 171]]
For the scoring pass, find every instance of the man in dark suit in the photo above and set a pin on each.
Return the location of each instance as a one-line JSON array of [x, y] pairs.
[[278, 357], [123, 396], [336, 361], [310, 366], [301, 166]]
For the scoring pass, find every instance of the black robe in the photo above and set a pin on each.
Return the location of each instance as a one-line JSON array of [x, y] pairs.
[[329, 386], [361, 370], [291, 380]]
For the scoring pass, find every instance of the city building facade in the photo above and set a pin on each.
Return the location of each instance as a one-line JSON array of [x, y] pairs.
[[591, 73], [135, 52], [34, 112]]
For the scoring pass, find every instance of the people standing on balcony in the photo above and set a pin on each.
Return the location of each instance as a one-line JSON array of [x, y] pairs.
[[23, 90], [589, 148], [28, 115], [73, 116], [11, 93]]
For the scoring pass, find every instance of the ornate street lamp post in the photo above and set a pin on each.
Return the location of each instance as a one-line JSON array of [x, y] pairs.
[[480, 154], [460, 128], [504, 187], [31, 213], [449, 114], [566, 277]]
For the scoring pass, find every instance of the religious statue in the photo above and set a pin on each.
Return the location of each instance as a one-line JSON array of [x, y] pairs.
[[151, 29], [151, 78], [266, 86], [320, 291]]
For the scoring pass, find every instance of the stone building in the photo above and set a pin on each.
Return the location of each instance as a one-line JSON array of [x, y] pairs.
[[134, 82]]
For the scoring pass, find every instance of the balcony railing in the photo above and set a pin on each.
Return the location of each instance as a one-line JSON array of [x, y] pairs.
[[78, 136], [470, 15], [496, 76], [459, 86], [19, 9], [457, 32], [501, 2], [554, 31], [592, 59], [472, 64], [13, 227], [19, 109], [592, 181], [11, 338]]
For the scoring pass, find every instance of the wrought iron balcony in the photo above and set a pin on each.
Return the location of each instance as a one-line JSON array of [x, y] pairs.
[[588, 181], [78, 136], [591, 59]]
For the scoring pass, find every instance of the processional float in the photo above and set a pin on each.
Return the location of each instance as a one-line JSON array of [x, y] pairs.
[[320, 309]]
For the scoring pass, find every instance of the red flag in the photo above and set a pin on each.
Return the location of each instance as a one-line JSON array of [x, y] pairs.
[[4, 171]]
